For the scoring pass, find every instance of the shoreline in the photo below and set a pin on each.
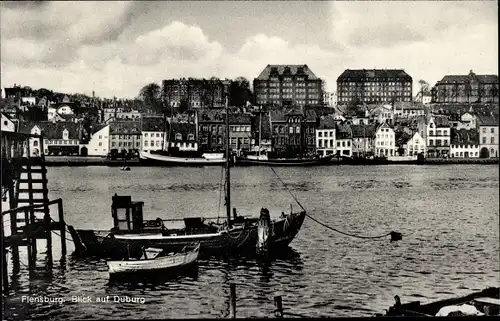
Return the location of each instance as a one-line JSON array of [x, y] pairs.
[[60, 161]]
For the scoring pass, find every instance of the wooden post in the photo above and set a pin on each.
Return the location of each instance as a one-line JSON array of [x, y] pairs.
[[62, 225], [5, 275], [278, 303], [48, 237], [232, 301], [14, 247], [28, 240]]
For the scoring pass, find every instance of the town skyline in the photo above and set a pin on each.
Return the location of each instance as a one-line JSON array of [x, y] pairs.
[[129, 44]]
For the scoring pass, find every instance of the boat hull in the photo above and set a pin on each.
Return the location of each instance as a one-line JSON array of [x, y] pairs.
[[284, 162], [164, 160], [177, 261], [240, 240]]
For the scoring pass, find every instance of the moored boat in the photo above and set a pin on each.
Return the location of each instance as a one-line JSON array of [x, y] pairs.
[[205, 159], [486, 302], [263, 160], [155, 260]]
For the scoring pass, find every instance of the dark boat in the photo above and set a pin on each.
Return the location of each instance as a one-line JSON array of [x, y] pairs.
[[263, 160], [486, 302], [131, 233]]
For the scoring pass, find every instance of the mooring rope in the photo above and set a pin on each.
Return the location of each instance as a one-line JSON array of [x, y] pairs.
[[61, 236], [394, 235]]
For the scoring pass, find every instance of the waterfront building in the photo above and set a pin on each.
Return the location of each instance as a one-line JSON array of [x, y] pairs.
[[438, 136], [8, 124], [153, 131], [99, 142], [262, 141], [125, 135], [413, 145], [183, 136], [385, 143], [287, 85], [408, 109], [343, 135], [488, 135], [464, 143], [61, 138], [240, 133], [195, 93], [325, 136], [363, 139], [374, 86], [469, 88], [211, 129], [293, 131]]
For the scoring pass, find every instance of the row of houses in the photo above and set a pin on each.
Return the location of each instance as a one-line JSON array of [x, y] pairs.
[[291, 132]]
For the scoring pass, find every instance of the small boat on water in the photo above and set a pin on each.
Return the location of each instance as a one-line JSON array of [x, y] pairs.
[[486, 302], [125, 168], [155, 260]]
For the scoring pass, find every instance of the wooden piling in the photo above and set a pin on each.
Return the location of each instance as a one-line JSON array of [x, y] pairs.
[[48, 238], [14, 248], [232, 301], [278, 303], [62, 224], [5, 275], [29, 240]]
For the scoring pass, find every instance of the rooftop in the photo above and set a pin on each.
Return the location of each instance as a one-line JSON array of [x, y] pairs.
[[372, 74], [286, 70]]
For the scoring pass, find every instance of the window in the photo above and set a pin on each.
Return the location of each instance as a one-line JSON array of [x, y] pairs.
[[484, 139], [297, 129], [492, 140], [320, 142], [145, 134], [492, 130], [113, 144], [445, 142], [190, 137], [431, 142], [290, 130], [484, 130], [100, 144], [35, 143], [320, 134], [431, 132]]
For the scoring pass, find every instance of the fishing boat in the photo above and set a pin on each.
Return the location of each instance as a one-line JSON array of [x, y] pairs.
[[236, 235], [485, 302], [155, 260]]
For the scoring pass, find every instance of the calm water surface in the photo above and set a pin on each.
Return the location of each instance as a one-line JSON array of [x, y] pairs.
[[448, 216]]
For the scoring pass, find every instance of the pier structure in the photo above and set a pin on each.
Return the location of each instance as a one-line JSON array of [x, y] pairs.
[[24, 183]]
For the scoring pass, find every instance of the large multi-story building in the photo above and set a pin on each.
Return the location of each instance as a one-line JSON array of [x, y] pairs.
[[469, 88], [374, 86], [195, 93], [286, 85]]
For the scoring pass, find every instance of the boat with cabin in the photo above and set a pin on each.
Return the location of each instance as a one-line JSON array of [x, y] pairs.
[[235, 235]]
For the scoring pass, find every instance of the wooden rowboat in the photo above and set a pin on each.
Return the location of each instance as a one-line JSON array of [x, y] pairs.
[[153, 261]]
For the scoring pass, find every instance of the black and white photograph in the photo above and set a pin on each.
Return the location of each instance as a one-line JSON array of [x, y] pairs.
[[249, 159]]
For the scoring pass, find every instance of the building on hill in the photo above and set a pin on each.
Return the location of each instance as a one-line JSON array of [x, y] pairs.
[[469, 88], [325, 136], [288, 85], [195, 93], [9, 124], [464, 143], [374, 86], [410, 144], [381, 113], [99, 142], [488, 135], [409, 109]]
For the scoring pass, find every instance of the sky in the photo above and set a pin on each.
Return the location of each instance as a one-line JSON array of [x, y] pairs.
[[115, 48]]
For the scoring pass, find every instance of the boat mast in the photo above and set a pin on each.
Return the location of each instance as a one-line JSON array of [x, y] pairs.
[[260, 131], [228, 174]]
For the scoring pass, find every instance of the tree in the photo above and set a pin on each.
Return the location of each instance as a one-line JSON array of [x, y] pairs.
[[424, 87], [355, 107], [239, 92], [151, 96]]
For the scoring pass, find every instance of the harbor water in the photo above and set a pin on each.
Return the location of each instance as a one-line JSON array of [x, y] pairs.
[[448, 215]]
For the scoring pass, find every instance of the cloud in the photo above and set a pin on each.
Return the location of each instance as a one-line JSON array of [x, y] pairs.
[[58, 46]]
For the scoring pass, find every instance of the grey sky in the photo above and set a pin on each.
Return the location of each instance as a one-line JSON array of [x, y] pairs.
[[115, 48]]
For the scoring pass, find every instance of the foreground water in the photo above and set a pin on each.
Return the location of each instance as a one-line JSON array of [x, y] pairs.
[[448, 216]]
